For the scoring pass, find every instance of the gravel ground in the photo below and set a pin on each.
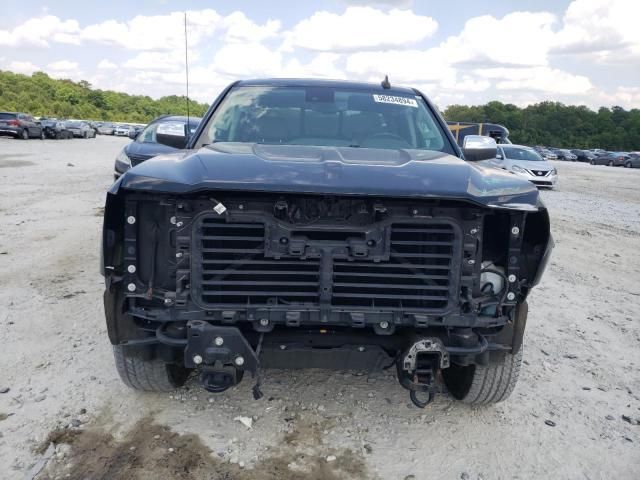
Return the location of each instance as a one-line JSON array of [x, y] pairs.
[[574, 413]]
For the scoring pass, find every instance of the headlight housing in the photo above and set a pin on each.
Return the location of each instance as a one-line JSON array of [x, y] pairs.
[[123, 162], [518, 169]]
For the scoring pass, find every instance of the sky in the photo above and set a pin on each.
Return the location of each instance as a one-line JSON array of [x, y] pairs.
[[584, 52]]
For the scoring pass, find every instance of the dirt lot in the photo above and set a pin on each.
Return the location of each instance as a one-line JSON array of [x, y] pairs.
[[574, 413]]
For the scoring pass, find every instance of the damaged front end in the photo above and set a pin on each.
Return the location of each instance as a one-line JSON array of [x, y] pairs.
[[228, 282]]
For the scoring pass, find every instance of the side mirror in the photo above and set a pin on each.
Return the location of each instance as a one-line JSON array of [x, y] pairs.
[[132, 134], [478, 147], [498, 157]]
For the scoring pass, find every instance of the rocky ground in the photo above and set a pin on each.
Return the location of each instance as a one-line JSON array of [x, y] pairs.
[[64, 412]]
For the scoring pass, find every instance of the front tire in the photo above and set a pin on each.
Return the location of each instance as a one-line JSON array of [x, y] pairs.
[[610, 164], [484, 384], [592, 162], [147, 375], [25, 134], [627, 165]]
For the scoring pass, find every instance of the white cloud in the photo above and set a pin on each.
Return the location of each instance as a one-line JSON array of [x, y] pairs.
[[106, 64], [160, 61], [519, 38], [23, 67], [63, 66], [158, 32], [359, 28], [402, 66], [239, 28], [541, 79], [606, 28], [247, 59], [40, 31], [626, 97], [392, 3], [323, 65]]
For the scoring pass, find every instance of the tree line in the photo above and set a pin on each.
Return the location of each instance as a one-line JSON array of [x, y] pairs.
[[557, 125], [545, 123], [41, 95]]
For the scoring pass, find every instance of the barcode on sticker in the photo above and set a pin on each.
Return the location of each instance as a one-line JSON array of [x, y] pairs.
[[220, 209], [407, 102]]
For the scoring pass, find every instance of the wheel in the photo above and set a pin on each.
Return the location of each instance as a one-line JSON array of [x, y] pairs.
[[86, 135], [610, 164], [627, 165], [592, 162], [484, 384], [25, 134], [42, 135], [148, 375]]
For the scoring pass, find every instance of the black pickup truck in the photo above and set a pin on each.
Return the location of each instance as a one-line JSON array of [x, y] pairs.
[[321, 224]]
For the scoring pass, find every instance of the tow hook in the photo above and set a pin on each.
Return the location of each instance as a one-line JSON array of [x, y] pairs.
[[217, 380], [418, 367], [222, 354]]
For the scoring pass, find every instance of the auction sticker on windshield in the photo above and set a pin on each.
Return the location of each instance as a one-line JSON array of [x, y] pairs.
[[408, 102]]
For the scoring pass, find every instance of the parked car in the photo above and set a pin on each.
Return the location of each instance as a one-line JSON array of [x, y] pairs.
[[55, 129], [323, 224], [597, 151], [526, 162], [165, 134], [20, 125], [565, 154], [80, 129], [611, 159], [633, 161], [106, 128], [122, 130], [583, 155], [545, 153]]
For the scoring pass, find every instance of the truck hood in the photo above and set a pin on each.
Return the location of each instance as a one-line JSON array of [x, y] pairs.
[[330, 170]]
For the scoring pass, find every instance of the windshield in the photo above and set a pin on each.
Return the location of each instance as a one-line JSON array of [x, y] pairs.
[[324, 116], [515, 153], [6, 116]]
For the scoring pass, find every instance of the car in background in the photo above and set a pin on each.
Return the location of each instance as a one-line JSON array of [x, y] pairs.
[[165, 134], [122, 130], [598, 151], [80, 129], [611, 159], [633, 161], [583, 155], [55, 129], [565, 154], [135, 130], [106, 128], [525, 162], [545, 153], [20, 125]]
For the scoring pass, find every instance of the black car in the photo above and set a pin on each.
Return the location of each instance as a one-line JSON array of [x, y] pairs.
[[323, 224], [165, 134], [583, 155], [611, 159], [55, 129], [20, 125], [564, 154]]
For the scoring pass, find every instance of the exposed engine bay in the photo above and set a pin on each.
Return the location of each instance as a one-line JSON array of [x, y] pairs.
[[241, 282]]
